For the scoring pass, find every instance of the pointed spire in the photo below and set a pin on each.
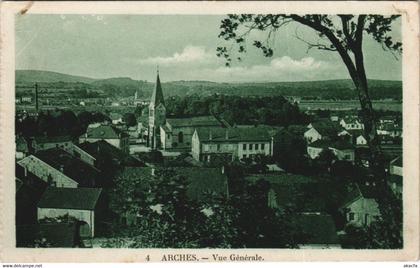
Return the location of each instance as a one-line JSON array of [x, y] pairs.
[[157, 96]]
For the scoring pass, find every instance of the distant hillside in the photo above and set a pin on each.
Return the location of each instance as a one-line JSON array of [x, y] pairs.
[[124, 86], [32, 76]]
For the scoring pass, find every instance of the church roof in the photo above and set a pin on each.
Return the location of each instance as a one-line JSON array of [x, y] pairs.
[[157, 96]]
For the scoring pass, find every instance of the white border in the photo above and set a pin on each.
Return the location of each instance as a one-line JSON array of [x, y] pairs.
[[410, 25]]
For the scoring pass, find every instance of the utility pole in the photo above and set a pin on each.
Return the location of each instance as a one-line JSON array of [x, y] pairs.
[[36, 98]]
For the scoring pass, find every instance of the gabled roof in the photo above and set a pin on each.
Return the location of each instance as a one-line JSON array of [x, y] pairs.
[[105, 132], [351, 120], [359, 191], [69, 165], [70, 198], [397, 161], [317, 229], [59, 235], [280, 178], [54, 139], [157, 95], [219, 134], [327, 128], [196, 121]]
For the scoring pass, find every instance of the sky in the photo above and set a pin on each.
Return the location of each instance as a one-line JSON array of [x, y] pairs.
[[184, 48]]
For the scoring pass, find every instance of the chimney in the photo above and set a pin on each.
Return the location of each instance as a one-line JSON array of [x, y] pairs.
[[223, 169], [25, 169], [227, 134], [36, 98], [62, 168], [210, 135], [153, 171]]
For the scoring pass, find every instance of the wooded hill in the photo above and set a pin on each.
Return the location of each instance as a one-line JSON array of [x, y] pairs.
[[124, 86]]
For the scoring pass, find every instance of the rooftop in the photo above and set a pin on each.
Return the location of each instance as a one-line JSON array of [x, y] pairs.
[[70, 166], [219, 134], [54, 139], [105, 132], [326, 128], [197, 121], [70, 198]]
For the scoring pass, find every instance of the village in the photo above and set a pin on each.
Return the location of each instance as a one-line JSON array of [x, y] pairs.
[[105, 187]]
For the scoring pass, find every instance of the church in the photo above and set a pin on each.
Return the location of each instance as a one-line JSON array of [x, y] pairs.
[[173, 134]]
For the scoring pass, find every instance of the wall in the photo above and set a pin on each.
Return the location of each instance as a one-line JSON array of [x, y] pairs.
[[249, 152], [195, 148], [347, 155], [82, 215], [45, 171], [314, 152], [396, 170], [360, 208], [82, 155], [312, 135]]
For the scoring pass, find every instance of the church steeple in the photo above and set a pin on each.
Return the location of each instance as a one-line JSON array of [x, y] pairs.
[[157, 96]]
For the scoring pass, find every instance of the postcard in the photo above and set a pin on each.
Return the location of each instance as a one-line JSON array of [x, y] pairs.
[[209, 131]]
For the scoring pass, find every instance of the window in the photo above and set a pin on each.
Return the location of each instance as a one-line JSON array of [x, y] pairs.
[[180, 137], [244, 147], [256, 146], [206, 147], [351, 216], [262, 146], [250, 147], [218, 147]]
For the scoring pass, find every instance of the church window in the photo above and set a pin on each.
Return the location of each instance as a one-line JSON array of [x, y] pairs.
[[180, 137]]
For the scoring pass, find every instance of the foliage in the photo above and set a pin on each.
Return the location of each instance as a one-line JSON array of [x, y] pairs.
[[239, 110], [129, 119]]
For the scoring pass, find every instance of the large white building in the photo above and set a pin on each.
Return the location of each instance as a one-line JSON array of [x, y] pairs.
[[231, 143]]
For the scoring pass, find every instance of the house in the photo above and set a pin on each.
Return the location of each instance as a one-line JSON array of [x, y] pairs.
[[359, 205], [102, 152], [46, 172], [396, 166], [116, 118], [318, 231], [390, 129], [81, 154], [351, 123], [225, 144], [108, 133], [29, 190], [395, 182], [322, 129], [52, 235], [342, 149], [80, 203], [395, 178], [22, 147], [45, 143], [71, 166], [177, 133]]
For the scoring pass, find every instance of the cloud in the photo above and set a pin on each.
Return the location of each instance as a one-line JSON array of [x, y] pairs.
[[190, 54], [278, 69]]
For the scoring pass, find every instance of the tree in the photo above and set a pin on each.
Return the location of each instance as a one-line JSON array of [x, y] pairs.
[[129, 119], [342, 34]]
